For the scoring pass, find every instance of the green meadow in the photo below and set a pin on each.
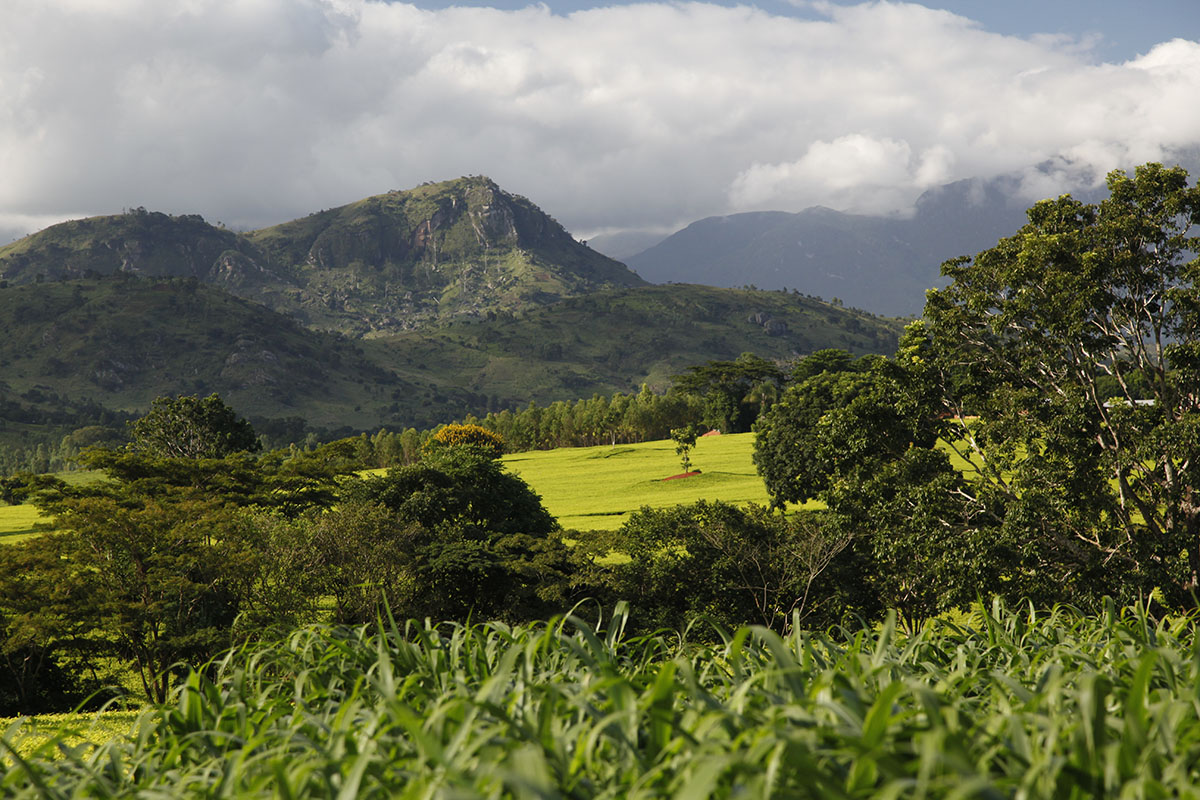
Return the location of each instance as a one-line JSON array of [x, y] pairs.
[[597, 488], [17, 523]]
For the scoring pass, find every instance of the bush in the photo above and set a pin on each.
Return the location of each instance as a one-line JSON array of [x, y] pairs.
[[730, 565], [491, 444]]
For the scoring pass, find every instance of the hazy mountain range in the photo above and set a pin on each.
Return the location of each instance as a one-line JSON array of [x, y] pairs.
[[882, 264]]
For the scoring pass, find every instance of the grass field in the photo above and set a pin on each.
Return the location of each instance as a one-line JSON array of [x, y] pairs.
[[17, 523], [585, 488], [597, 488]]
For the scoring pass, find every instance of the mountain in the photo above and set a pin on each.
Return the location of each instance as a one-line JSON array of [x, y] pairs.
[[115, 343], [401, 260], [884, 264], [96, 351], [624, 244], [404, 309], [617, 340], [439, 252]]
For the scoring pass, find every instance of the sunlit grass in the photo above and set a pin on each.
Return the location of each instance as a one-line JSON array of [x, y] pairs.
[[47, 735], [599, 487], [17, 523]]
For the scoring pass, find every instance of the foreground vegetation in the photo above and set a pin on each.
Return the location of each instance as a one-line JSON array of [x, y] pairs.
[[1013, 703]]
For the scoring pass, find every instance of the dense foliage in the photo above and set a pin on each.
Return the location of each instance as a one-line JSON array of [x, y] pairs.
[[170, 560], [733, 393], [1011, 704], [619, 419], [191, 427], [1061, 371], [731, 566]]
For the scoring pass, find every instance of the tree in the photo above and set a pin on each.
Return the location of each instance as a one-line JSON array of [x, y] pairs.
[[685, 440], [163, 579], [725, 386], [188, 427], [1032, 336], [153, 565], [1065, 493], [449, 537], [730, 565], [828, 360], [832, 427], [489, 443]]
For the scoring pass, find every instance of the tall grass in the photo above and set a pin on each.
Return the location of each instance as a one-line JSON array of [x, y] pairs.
[[1016, 704]]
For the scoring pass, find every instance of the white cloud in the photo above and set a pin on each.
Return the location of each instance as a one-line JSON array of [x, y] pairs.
[[254, 111]]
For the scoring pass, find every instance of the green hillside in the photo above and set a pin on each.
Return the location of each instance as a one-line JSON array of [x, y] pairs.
[[139, 242], [615, 341], [76, 348], [95, 351]]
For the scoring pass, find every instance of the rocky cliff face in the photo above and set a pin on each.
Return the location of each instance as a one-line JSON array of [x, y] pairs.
[[139, 242]]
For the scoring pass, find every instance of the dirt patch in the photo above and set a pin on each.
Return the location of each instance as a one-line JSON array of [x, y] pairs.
[[683, 475]]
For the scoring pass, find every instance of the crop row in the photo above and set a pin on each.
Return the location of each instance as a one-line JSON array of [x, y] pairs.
[[1013, 704]]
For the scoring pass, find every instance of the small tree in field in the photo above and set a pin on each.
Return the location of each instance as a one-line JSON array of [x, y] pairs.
[[685, 440]]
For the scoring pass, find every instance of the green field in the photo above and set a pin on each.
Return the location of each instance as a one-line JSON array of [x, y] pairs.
[[585, 488], [17, 523], [597, 488]]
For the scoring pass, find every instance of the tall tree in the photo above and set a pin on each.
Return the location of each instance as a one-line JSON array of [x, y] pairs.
[[1063, 368], [1032, 336], [732, 391], [189, 427]]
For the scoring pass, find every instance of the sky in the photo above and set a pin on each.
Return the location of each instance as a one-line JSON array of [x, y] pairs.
[[611, 117]]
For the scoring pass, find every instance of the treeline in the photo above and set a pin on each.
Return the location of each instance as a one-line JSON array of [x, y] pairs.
[[620, 419], [720, 395]]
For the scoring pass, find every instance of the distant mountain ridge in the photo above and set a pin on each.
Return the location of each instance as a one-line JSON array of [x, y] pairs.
[[882, 264], [397, 261]]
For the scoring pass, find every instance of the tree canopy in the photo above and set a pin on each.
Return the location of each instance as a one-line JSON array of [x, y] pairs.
[[190, 427], [734, 392], [1061, 369]]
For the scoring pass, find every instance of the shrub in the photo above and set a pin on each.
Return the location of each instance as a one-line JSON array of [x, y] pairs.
[[491, 444]]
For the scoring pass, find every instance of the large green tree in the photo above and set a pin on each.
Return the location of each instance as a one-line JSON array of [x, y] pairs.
[[191, 427], [734, 392], [732, 566], [153, 566], [451, 536], [1061, 369], [1076, 343]]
